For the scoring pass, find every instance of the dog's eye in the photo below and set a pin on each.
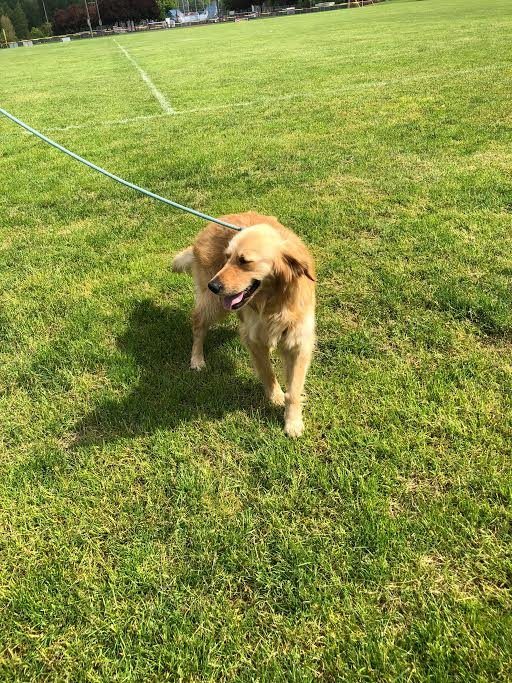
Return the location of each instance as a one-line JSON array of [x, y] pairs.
[[242, 261]]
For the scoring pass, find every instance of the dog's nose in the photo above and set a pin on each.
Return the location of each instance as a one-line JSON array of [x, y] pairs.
[[215, 286]]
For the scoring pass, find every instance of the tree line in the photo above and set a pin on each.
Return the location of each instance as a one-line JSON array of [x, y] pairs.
[[24, 19]]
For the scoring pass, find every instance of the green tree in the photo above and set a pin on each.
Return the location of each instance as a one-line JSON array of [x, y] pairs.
[[32, 9], [6, 25], [19, 21], [165, 5]]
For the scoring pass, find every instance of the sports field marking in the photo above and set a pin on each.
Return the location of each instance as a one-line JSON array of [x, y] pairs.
[[220, 107], [164, 103], [304, 94], [115, 122]]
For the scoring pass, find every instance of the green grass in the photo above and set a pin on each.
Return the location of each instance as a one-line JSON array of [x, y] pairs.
[[157, 524]]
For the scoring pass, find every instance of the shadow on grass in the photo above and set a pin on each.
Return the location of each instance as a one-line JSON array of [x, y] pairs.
[[168, 393]]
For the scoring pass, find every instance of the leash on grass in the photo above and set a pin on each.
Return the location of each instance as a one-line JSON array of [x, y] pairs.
[[132, 186]]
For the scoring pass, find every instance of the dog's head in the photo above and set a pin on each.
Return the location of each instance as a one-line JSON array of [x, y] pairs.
[[258, 255]]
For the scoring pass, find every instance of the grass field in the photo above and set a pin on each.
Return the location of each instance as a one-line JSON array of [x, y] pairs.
[[156, 524]]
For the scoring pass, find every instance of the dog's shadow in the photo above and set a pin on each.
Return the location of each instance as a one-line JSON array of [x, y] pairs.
[[168, 393]]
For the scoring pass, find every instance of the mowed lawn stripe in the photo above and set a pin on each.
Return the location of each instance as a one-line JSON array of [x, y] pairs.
[[321, 93]]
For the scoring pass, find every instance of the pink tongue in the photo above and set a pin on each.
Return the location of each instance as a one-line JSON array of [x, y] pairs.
[[230, 301]]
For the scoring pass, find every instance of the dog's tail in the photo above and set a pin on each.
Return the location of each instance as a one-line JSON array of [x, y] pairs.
[[182, 262]]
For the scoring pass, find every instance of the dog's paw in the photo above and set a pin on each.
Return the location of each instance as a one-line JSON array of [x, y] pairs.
[[276, 397], [294, 428], [197, 364]]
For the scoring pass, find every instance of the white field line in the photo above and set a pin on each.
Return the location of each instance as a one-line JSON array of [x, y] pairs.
[[107, 123], [304, 94], [166, 107], [219, 107]]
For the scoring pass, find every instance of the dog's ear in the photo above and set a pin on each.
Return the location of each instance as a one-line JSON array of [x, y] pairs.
[[295, 261]]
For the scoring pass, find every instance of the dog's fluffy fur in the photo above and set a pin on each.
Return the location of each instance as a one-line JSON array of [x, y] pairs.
[[267, 275]]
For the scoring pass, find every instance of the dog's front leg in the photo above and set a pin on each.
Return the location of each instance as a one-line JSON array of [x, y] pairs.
[[297, 362], [199, 330], [205, 314], [261, 360]]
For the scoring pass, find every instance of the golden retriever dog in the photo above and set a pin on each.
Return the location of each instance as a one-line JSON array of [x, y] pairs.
[[266, 275]]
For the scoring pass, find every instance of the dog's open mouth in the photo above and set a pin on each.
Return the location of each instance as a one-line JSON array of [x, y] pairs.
[[231, 303]]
